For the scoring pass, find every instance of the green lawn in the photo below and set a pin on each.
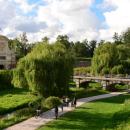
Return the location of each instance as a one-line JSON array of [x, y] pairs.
[[14, 99], [107, 114], [87, 90]]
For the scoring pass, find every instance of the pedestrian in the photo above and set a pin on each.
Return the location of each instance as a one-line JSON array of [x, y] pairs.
[[67, 101], [56, 112], [75, 101], [38, 111], [62, 107]]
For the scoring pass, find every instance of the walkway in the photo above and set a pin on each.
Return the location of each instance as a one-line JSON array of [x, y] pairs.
[[33, 123]]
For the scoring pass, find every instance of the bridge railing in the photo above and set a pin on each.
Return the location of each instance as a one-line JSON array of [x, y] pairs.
[[122, 76]]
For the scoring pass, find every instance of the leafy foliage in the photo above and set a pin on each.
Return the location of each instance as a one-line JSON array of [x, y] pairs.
[[52, 101], [11, 100], [47, 69], [17, 116], [105, 56], [117, 69], [111, 58], [82, 70]]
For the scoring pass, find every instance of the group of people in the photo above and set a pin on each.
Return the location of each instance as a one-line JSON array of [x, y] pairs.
[[66, 103]]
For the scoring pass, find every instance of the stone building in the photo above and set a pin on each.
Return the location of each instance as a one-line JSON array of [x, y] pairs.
[[7, 56]]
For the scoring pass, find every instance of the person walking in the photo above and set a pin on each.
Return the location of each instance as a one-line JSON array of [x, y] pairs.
[[62, 107], [38, 111], [75, 101], [67, 101], [56, 112]]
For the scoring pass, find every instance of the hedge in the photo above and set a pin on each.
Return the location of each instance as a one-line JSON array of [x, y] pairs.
[[6, 79]]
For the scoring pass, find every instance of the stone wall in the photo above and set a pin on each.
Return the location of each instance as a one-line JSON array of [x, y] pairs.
[[7, 56]]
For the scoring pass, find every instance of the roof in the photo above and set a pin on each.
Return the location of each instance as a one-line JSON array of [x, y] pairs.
[[3, 38]]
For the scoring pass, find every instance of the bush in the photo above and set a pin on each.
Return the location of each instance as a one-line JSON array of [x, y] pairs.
[[82, 70], [105, 70], [117, 69], [6, 79], [52, 101], [16, 117]]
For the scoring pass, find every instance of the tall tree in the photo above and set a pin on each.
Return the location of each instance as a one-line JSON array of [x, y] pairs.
[[24, 43], [15, 45], [63, 39], [92, 46], [126, 36], [45, 39], [117, 38], [46, 70], [104, 59], [80, 49]]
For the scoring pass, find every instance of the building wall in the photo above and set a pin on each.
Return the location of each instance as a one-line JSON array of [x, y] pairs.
[[7, 56]]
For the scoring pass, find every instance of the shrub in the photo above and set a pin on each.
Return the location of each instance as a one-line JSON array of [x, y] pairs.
[[82, 70], [6, 79], [52, 101], [16, 117], [105, 70], [35, 104], [117, 69]]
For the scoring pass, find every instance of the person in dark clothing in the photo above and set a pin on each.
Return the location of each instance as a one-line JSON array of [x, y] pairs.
[[75, 101], [62, 107], [56, 112], [38, 111]]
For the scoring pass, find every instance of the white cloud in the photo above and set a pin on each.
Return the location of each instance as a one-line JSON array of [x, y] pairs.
[[7, 12], [70, 17], [24, 6], [118, 19]]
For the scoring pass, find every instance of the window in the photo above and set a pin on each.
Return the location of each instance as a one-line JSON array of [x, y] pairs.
[[2, 57]]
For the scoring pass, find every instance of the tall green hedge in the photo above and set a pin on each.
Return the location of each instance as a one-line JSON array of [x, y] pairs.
[[6, 79], [46, 70]]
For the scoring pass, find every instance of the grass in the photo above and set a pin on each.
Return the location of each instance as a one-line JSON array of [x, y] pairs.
[[11, 100], [15, 100], [82, 92], [106, 114], [87, 90]]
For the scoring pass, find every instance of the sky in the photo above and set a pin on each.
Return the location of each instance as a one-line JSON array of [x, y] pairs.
[[79, 19]]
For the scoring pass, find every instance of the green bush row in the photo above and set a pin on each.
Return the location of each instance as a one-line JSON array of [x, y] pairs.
[[16, 117]]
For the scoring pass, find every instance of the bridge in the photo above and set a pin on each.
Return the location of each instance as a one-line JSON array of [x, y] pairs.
[[104, 80]]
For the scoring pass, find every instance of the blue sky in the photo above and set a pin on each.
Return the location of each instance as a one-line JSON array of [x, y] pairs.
[[79, 19], [97, 10]]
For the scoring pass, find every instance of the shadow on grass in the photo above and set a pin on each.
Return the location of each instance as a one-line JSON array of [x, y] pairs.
[[82, 121], [13, 91]]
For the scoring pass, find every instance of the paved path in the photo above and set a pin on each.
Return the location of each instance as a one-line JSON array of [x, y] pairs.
[[33, 123]]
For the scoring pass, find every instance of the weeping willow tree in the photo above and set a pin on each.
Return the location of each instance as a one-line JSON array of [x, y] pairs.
[[46, 70], [105, 57]]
